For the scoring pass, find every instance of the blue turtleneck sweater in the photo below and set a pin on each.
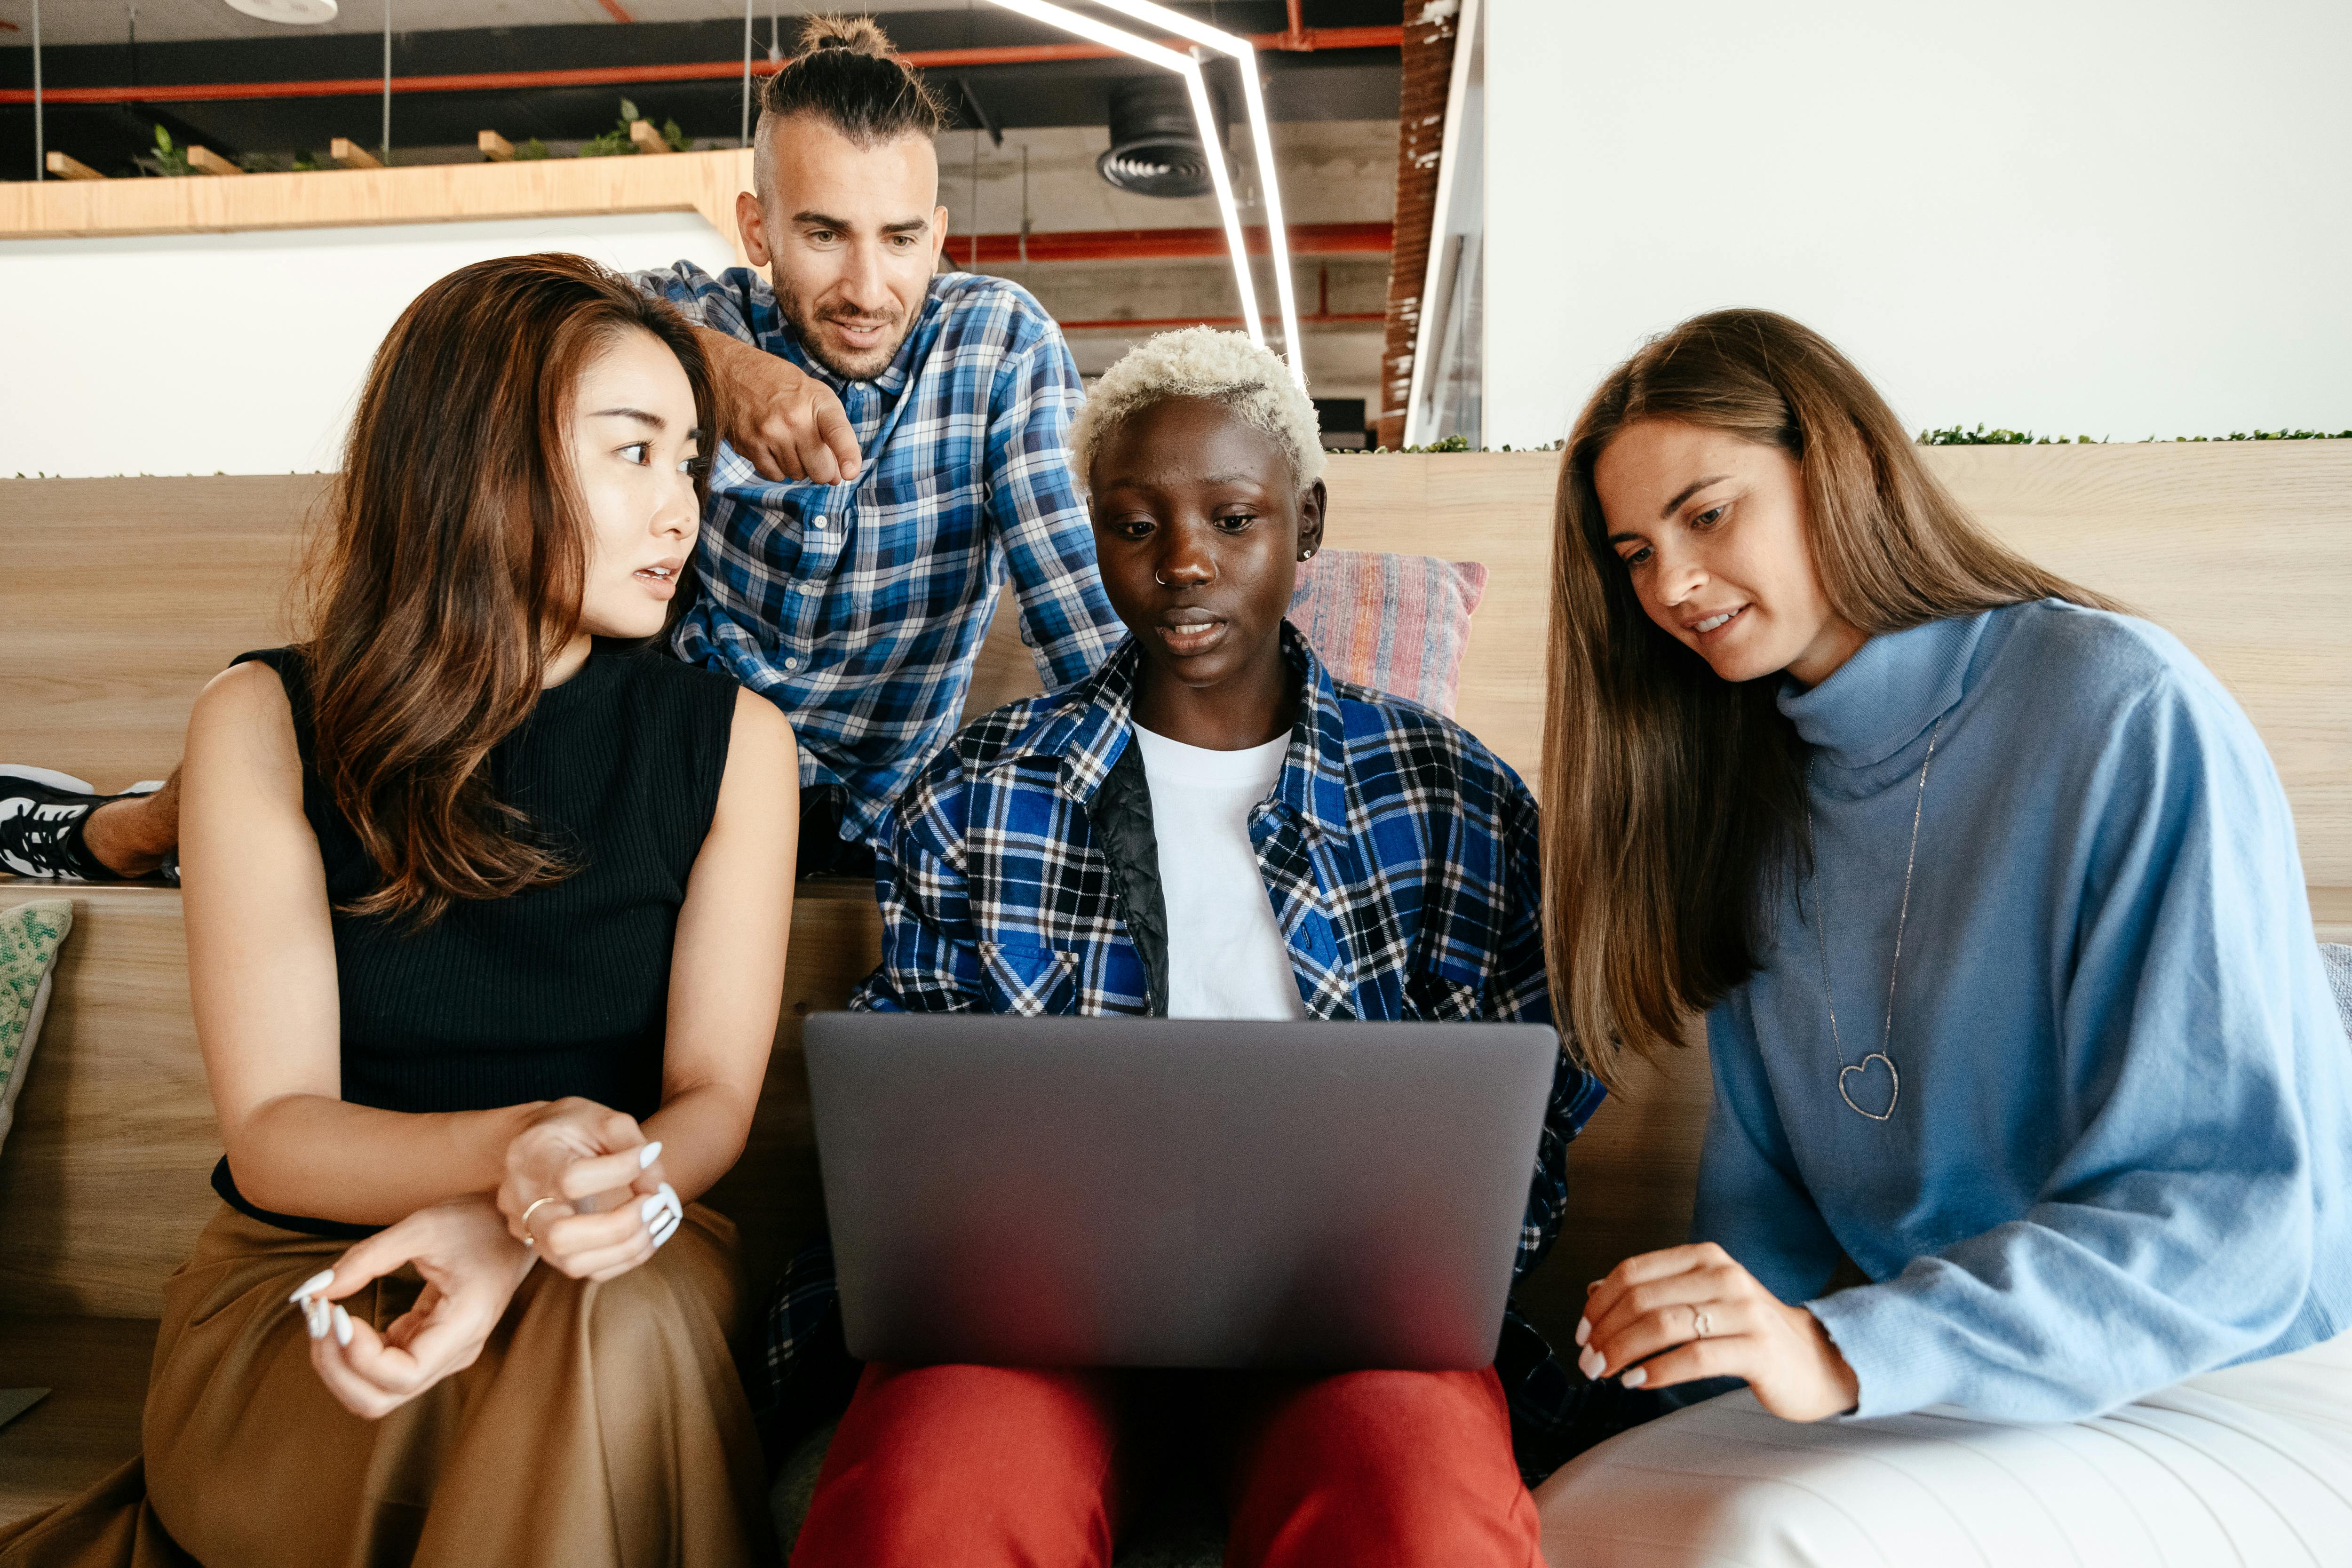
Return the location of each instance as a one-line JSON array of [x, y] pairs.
[[2121, 1152]]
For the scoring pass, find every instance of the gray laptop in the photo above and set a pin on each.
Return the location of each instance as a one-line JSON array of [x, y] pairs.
[[1156, 1192]]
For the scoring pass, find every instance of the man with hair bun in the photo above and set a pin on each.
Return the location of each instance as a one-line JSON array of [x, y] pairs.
[[893, 451], [895, 444]]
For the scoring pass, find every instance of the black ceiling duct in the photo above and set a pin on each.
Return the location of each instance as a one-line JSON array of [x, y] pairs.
[[1155, 142]]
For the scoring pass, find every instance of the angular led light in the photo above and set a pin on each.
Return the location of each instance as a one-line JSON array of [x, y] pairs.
[[1205, 114], [297, 13], [1244, 55]]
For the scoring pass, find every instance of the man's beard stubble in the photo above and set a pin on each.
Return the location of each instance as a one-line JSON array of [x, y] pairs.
[[864, 367]]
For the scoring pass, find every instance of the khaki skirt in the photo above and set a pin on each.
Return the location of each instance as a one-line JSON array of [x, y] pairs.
[[602, 1426]]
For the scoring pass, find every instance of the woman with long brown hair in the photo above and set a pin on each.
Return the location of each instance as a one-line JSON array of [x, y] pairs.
[[486, 914], [2031, 1098]]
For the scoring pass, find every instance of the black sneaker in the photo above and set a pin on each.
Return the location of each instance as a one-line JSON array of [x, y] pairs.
[[41, 816], [42, 813]]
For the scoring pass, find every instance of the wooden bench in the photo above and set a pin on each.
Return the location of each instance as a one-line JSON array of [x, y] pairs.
[[123, 596]]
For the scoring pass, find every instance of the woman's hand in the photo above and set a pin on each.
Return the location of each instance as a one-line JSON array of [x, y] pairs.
[[471, 1267], [585, 1189], [1690, 1312]]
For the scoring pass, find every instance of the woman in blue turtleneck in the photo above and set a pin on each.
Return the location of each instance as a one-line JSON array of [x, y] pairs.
[[2016, 1017]]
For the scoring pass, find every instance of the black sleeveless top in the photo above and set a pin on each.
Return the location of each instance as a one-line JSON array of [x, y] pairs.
[[559, 991]]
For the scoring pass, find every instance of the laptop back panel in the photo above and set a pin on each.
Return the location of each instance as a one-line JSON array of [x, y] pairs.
[[1154, 1193]]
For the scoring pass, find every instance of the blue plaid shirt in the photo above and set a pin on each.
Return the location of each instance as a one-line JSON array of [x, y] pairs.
[[858, 608], [1401, 857]]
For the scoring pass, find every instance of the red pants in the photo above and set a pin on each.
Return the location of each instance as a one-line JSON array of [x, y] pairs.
[[975, 1467]]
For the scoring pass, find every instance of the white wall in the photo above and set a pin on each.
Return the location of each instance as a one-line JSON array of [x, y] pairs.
[[2111, 217], [241, 354]]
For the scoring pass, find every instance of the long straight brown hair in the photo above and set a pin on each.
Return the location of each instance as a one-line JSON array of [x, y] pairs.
[[1674, 797], [452, 564]]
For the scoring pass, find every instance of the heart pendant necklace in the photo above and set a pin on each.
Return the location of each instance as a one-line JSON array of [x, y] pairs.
[[1849, 1071]]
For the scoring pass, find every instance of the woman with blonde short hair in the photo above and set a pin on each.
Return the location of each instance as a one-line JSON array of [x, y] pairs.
[[1990, 895], [1209, 826]]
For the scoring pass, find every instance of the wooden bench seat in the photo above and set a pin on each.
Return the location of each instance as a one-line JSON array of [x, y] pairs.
[[96, 1372], [125, 596]]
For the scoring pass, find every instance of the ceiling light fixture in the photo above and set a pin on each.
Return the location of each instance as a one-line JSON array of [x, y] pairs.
[[1186, 67], [1245, 57]]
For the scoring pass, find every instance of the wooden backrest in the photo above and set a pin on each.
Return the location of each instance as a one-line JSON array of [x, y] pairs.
[[123, 596]]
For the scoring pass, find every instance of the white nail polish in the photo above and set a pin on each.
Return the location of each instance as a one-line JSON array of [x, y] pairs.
[[314, 1318], [648, 1154], [1589, 1363], [342, 1326], [1583, 1330], [313, 1285], [652, 1209], [1635, 1378], [663, 1233]]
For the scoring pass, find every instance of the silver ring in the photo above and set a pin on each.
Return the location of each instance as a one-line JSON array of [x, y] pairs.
[[1701, 1324]]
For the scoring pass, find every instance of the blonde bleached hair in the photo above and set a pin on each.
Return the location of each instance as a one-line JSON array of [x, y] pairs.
[[1220, 367]]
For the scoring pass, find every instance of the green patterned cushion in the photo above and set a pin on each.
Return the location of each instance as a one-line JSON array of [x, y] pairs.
[[30, 935]]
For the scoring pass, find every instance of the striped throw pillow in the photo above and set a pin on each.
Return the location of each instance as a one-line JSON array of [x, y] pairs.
[[1396, 623]]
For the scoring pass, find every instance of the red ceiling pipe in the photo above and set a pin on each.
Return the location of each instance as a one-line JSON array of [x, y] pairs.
[[1165, 323], [1167, 244], [1310, 39]]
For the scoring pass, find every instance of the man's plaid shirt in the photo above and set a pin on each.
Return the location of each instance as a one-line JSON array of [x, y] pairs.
[[858, 608], [1400, 854]]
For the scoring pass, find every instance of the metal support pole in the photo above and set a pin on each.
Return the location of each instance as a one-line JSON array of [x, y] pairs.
[[40, 141], [385, 151], [747, 72]]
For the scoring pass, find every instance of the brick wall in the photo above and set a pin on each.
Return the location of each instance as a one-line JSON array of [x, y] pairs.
[[1428, 28]]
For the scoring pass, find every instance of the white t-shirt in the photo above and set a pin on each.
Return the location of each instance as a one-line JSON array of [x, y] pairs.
[[1226, 958]]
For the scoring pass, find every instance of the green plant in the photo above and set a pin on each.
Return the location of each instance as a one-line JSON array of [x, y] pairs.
[[1448, 444], [616, 143], [1954, 436], [531, 150], [169, 160], [2272, 435], [1980, 436]]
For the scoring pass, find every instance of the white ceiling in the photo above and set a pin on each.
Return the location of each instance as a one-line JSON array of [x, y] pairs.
[[109, 21]]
